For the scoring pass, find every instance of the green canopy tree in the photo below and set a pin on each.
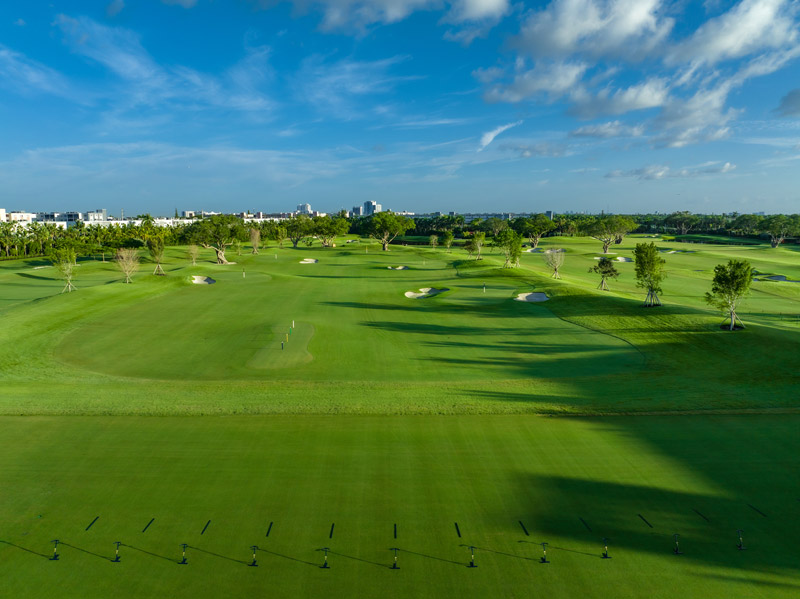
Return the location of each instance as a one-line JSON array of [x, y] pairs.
[[385, 226], [217, 233], [433, 241], [609, 229], [607, 270], [329, 228], [447, 240], [730, 284], [649, 271], [778, 227], [534, 228], [298, 228], [475, 243], [683, 221], [510, 244]]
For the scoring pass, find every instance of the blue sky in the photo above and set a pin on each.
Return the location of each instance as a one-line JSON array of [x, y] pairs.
[[422, 105]]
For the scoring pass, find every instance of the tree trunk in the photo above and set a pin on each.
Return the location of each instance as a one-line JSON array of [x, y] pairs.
[[221, 256], [606, 245], [385, 244]]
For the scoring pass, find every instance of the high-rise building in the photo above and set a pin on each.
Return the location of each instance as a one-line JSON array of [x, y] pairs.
[[371, 207]]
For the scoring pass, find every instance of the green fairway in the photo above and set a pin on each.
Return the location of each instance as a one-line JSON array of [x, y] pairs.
[[166, 346], [300, 406], [570, 482]]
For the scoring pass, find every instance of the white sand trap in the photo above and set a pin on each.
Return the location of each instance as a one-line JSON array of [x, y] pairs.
[[537, 296], [309, 261], [200, 280], [778, 278], [622, 259], [534, 250], [425, 292], [397, 267]]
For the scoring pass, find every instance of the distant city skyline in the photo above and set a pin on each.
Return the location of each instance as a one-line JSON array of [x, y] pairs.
[[625, 106]]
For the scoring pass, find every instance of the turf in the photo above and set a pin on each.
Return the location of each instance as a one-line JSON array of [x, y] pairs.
[[485, 473], [165, 346], [162, 413]]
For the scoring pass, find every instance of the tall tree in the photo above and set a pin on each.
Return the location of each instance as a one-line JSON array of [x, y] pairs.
[[433, 241], [64, 261], [510, 243], [193, 251], [128, 262], [778, 227], [217, 233], [730, 284], [476, 244], [535, 227], [610, 229], [329, 228], [554, 258], [385, 226], [649, 271], [298, 228], [683, 221], [447, 240], [607, 270]]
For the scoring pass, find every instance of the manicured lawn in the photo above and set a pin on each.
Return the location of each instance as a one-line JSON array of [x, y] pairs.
[[425, 474], [172, 404]]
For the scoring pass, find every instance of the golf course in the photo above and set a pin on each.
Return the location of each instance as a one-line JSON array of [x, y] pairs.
[[417, 430]]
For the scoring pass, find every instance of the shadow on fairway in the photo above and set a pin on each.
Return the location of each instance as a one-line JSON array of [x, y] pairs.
[[86, 551], [20, 547], [149, 552], [289, 557], [440, 559], [230, 559], [358, 559]]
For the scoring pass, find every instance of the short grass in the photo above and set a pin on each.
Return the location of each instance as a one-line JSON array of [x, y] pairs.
[[175, 402], [570, 482], [165, 346]]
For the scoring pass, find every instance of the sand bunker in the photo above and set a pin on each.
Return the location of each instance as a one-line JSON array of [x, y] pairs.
[[200, 280], [778, 278], [622, 259], [309, 261], [397, 267], [537, 296], [425, 292], [534, 250]]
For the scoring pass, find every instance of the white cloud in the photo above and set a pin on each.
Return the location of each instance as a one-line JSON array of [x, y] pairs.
[[659, 171], [146, 83], [475, 10], [749, 27], [790, 104], [489, 136], [608, 130], [552, 80], [651, 93], [529, 150], [115, 7], [20, 23], [627, 29], [336, 86], [20, 74]]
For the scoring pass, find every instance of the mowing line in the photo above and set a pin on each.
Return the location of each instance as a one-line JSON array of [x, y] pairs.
[[148, 525], [206, 526], [92, 522], [645, 521], [586, 525], [330, 536], [758, 510], [458, 532], [525, 530], [701, 515], [269, 529]]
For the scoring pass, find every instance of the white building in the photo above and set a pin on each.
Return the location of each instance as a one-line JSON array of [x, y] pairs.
[[371, 207]]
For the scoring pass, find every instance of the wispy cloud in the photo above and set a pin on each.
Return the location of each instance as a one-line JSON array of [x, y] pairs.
[[115, 7], [489, 136], [20, 74], [659, 171], [608, 130], [790, 104]]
